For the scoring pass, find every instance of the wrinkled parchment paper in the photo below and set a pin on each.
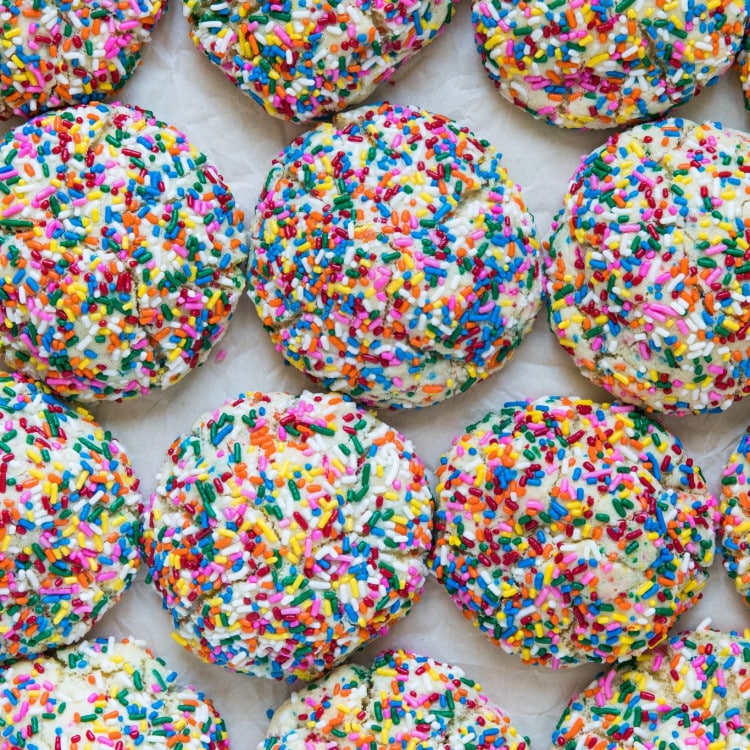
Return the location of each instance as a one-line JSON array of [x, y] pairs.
[[183, 88]]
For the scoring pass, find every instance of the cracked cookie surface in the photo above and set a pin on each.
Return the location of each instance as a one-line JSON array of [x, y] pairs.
[[68, 521], [286, 532], [403, 700], [392, 258], [108, 693], [648, 277], [304, 60], [603, 64], [690, 692], [121, 252], [570, 531]]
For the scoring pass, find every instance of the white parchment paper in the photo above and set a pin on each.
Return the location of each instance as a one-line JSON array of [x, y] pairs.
[[183, 88]]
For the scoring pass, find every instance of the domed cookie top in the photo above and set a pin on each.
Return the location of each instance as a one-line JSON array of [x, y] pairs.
[[68, 521], [304, 60], [104, 693], [121, 252], [735, 516], [690, 692], [570, 531], [649, 273], [602, 64], [402, 700], [286, 532], [392, 257], [55, 54]]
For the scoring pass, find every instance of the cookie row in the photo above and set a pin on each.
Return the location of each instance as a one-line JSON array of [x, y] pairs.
[[691, 691], [574, 64], [391, 258]]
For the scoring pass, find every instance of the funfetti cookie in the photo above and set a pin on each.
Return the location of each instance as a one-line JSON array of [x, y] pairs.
[[569, 531], [402, 700], [690, 692], [68, 521], [286, 532], [648, 277], [392, 258], [583, 64], [104, 693], [59, 54], [306, 60], [122, 253]]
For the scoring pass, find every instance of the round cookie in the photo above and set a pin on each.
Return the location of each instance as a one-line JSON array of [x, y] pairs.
[[648, 277], [121, 252], [392, 258], [286, 532], [403, 700], [569, 531], [308, 59], [690, 692], [735, 517], [58, 54], [104, 693], [599, 65], [68, 521]]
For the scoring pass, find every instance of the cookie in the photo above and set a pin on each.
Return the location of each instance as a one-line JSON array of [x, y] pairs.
[[60, 54], [649, 267], [392, 258], [599, 65], [121, 252], [104, 693], [743, 63], [403, 700], [690, 692], [308, 59], [569, 531], [286, 532], [735, 517], [68, 521]]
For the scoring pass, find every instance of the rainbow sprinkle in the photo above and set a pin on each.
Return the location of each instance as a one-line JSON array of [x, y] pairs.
[[585, 64], [121, 252], [690, 692], [569, 531], [392, 258], [104, 694], [286, 532], [72, 51], [735, 516], [68, 521], [649, 270], [304, 60], [402, 701]]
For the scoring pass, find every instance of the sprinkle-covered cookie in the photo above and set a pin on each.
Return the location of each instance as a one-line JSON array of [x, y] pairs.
[[55, 54], [402, 701], [735, 516], [690, 692], [578, 63], [569, 531], [392, 258], [304, 60], [121, 252], [104, 693], [649, 272], [286, 532], [68, 521]]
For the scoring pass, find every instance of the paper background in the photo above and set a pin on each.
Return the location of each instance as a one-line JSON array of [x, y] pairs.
[[183, 88]]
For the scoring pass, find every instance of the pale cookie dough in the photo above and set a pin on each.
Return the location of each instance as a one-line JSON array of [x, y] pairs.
[[286, 532], [403, 700], [648, 278], [569, 531], [690, 692], [392, 258]]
